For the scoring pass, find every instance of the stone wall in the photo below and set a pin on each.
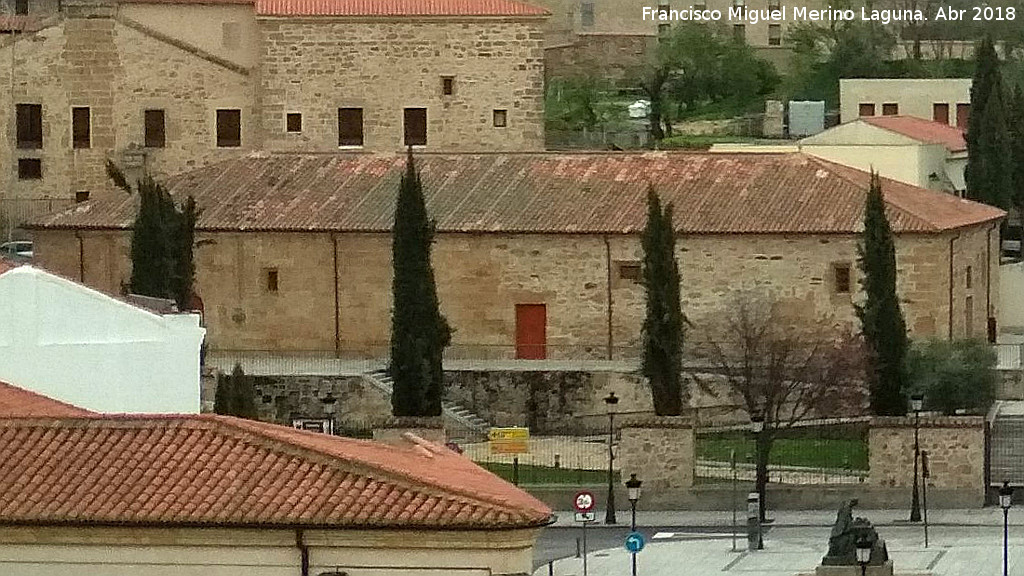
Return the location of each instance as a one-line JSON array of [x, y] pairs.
[[481, 278], [359, 406], [660, 451], [955, 445], [316, 67]]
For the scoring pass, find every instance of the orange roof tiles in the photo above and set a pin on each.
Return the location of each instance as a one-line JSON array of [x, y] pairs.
[[397, 8], [922, 130], [593, 193], [16, 401], [218, 470]]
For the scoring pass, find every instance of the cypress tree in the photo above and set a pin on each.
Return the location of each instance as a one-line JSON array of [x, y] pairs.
[[987, 81], [419, 333], [663, 323], [235, 395], [990, 164], [1015, 124], [881, 319], [184, 226]]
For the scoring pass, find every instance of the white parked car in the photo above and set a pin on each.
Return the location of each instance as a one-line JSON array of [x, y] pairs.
[[19, 249]]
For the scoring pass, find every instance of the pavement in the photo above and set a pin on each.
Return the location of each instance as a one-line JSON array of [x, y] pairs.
[[961, 542]]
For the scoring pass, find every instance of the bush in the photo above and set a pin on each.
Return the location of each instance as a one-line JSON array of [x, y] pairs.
[[953, 374]]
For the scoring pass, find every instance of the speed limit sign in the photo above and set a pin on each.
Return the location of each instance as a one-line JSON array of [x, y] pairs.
[[584, 501]]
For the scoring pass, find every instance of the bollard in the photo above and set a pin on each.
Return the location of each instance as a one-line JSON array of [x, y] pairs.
[[754, 540]]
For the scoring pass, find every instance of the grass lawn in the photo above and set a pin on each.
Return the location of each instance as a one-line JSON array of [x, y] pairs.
[[844, 453], [548, 475]]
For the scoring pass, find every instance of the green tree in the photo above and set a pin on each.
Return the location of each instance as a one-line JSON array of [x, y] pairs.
[[419, 333], [882, 324], [953, 375], [663, 324], [235, 395], [1015, 124], [989, 174]]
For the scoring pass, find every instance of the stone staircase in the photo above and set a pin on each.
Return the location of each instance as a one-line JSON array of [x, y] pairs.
[[462, 423]]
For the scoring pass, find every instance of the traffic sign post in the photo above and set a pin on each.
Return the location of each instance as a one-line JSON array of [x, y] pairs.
[[583, 502]]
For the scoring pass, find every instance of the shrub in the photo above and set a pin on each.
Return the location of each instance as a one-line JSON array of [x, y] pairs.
[[953, 374]]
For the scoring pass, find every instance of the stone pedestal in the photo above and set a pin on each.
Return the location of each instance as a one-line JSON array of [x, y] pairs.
[[391, 432], [879, 570], [660, 451]]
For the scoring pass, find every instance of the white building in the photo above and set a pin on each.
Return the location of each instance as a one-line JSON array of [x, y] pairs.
[[72, 343], [945, 100]]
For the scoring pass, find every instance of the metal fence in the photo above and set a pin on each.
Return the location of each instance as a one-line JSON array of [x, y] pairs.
[[1008, 356], [14, 212]]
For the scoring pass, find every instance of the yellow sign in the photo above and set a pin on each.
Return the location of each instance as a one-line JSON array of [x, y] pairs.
[[509, 440]]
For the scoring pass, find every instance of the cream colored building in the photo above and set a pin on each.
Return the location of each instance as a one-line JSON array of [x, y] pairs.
[[945, 100], [166, 87]]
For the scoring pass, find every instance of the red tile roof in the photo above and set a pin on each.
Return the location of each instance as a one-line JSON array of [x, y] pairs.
[[922, 130], [589, 193], [6, 264], [218, 470], [16, 401], [20, 23], [397, 8]]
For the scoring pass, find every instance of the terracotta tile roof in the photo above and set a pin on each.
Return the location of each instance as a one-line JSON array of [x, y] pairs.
[[589, 193], [16, 401], [20, 23], [397, 8], [7, 264], [217, 470], [922, 130]]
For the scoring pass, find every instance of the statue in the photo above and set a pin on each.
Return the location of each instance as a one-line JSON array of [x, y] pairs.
[[842, 542]]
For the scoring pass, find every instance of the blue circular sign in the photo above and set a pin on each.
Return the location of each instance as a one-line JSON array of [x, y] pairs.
[[635, 542]]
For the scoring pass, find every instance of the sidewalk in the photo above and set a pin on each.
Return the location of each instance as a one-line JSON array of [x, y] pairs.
[[798, 550], [991, 516]]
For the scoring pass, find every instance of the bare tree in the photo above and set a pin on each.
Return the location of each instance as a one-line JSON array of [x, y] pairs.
[[781, 374]]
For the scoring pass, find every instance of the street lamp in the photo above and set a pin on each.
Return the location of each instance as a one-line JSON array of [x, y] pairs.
[[863, 554], [757, 427], [916, 403], [610, 401], [1005, 501], [633, 491], [330, 406]]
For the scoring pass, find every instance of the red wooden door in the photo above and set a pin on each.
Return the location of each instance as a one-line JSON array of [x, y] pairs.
[[531, 331]]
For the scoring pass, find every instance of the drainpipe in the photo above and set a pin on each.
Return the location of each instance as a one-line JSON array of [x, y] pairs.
[[951, 241], [81, 257], [303, 552], [337, 305], [608, 284]]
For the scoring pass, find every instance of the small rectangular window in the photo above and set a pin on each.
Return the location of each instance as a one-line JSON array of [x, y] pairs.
[[866, 109], [774, 5], [229, 128], [293, 122], [963, 115], [81, 196], [739, 32], [700, 7], [30, 168], [631, 271], [80, 130], [664, 29], [500, 118], [30, 125], [890, 109], [21, 6], [970, 279], [415, 126], [940, 112], [775, 34], [271, 279], [350, 126], [587, 14], [231, 35], [447, 85], [841, 278], [969, 316], [154, 129]]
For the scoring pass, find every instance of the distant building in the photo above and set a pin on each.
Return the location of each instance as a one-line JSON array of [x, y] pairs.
[[539, 254], [944, 100], [107, 495], [912, 150], [72, 343]]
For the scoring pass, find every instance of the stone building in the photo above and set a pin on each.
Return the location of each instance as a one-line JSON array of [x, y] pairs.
[[538, 254], [167, 87]]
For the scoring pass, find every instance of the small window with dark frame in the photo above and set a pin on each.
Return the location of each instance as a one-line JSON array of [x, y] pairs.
[[447, 85], [963, 115], [229, 128], [155, 133], [739, 32], [350, 126], [415, 126], [664, 8], [81, 196], [774, 6], [940, 112], [21, 7], [272, 279], [80, 128], [30, 169], [29, 118], [841, 278], [630, 271], [587, 14], [970, 278], [500, 118], [775, 34], [890, 109], [866, 109], [293, 122]]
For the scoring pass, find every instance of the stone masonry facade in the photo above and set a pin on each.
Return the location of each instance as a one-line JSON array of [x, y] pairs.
[[334, 289], [660, 451], [955, 446]]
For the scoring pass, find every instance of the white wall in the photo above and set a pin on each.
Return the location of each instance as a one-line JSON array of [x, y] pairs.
[[1011, 296], [77, 345], [914, 96]]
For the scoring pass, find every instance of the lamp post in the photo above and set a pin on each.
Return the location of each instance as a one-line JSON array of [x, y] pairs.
[[1005, 501], [916, 402], [863, 554], [611, 401], [330, 406], [757, 427], [633, 490]]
